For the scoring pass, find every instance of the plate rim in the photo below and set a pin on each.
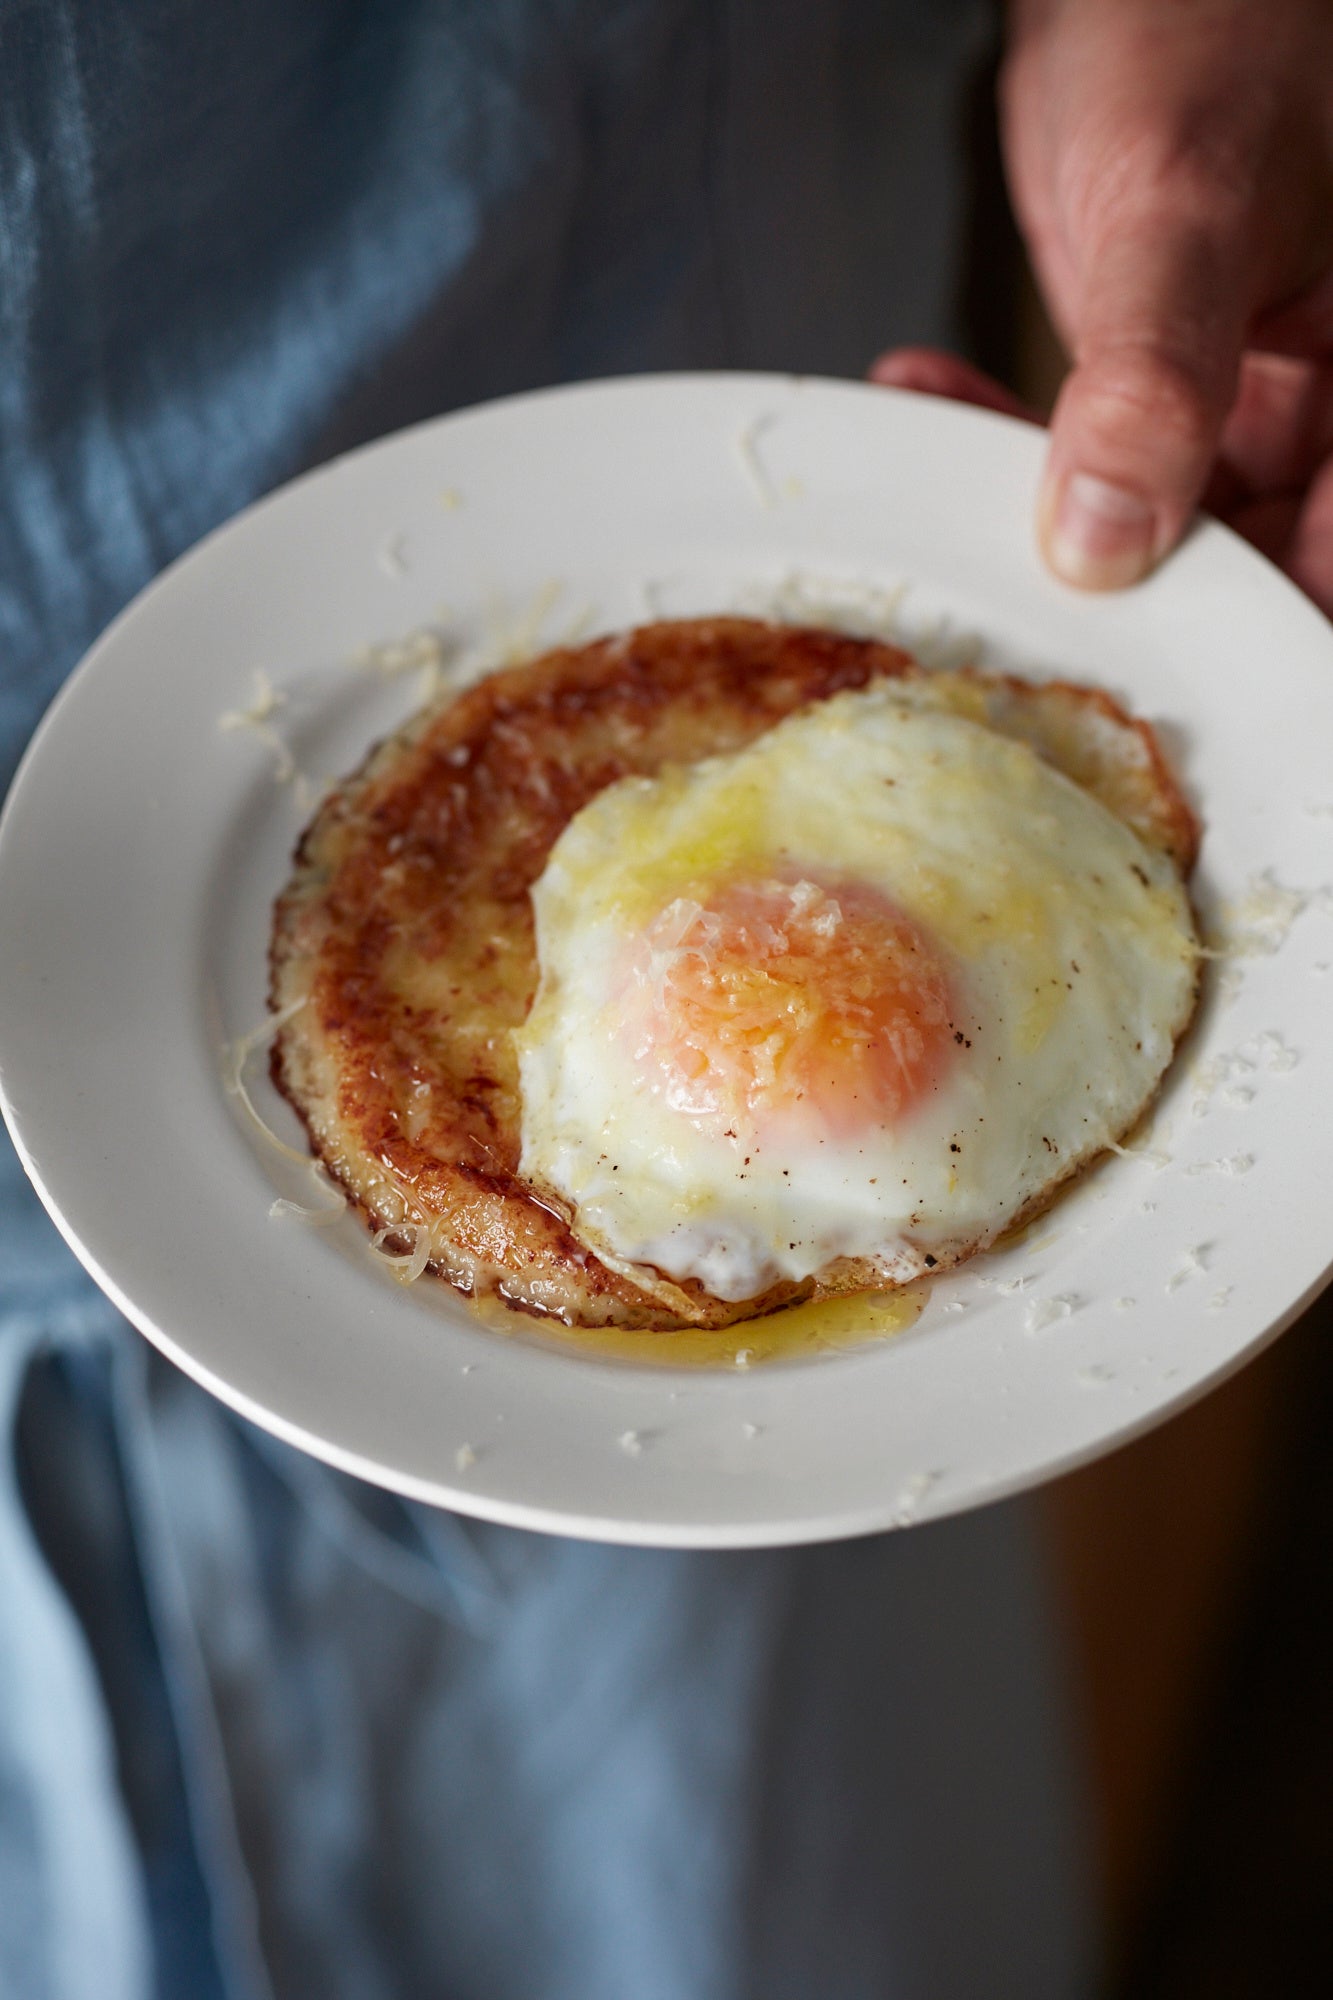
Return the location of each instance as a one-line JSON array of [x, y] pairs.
[[461, 1497]]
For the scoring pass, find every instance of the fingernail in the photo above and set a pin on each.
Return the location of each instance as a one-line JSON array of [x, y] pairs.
[[1097, 535]]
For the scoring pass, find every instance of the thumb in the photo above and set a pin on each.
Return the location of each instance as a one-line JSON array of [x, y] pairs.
[[1158, 334]]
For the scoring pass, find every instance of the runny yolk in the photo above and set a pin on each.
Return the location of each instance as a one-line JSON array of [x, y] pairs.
[[790, 1007]]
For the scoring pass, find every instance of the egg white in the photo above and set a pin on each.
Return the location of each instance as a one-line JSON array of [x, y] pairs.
[[1072, 959]]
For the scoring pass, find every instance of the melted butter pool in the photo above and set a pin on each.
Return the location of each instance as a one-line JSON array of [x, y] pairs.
[[821, 1326]]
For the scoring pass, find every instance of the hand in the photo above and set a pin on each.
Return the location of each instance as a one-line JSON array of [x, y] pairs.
[[1171, 163]]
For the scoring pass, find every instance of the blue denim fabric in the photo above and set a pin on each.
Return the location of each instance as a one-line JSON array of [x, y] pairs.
[[263, 1730]]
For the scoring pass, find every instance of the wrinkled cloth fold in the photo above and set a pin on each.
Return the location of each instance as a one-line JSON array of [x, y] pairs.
[[306, 1738]]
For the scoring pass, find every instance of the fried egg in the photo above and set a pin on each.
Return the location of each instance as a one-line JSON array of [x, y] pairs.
[[856, 997]]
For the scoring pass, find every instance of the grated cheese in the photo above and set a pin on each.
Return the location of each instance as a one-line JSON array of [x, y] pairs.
[[238, 1053], [307, 794], [424, 647], [862, 610], [447, 666], [1275, 1052], [747, 454], [1226, 1073], [1259, 922], [1148, 1154], [256, 718], [910, 1496], [390, 559], [407, 1266], [1192, 1265], [316, 1217], [1046, 1312]]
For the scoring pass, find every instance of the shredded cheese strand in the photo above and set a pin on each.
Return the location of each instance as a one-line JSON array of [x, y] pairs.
[[300, 1212], [407, 1267], [238, 1054]]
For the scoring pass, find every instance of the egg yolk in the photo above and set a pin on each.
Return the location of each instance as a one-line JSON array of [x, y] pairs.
[[789, 1007]]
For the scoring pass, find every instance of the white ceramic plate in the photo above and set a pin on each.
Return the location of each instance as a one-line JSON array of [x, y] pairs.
[[142, 847]]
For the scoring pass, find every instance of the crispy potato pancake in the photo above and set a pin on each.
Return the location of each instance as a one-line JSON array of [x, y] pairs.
[[406, 929]]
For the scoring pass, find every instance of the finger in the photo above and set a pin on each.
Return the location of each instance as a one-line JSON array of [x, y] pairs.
[[1308, 560], [1304, 325], [1280, 429], [932, 372], [1158, 338], [1295, 531]]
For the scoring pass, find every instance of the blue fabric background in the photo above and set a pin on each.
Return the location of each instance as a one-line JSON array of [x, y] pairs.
[[264, 1730]]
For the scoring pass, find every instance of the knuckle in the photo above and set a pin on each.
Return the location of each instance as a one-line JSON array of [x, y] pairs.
[[1148, 390], [1196, 174]]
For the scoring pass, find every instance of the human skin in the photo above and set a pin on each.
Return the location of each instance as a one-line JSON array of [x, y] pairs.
[[1171, 167]]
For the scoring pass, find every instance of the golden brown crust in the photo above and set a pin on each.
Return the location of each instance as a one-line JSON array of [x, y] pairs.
[[407, 928]]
